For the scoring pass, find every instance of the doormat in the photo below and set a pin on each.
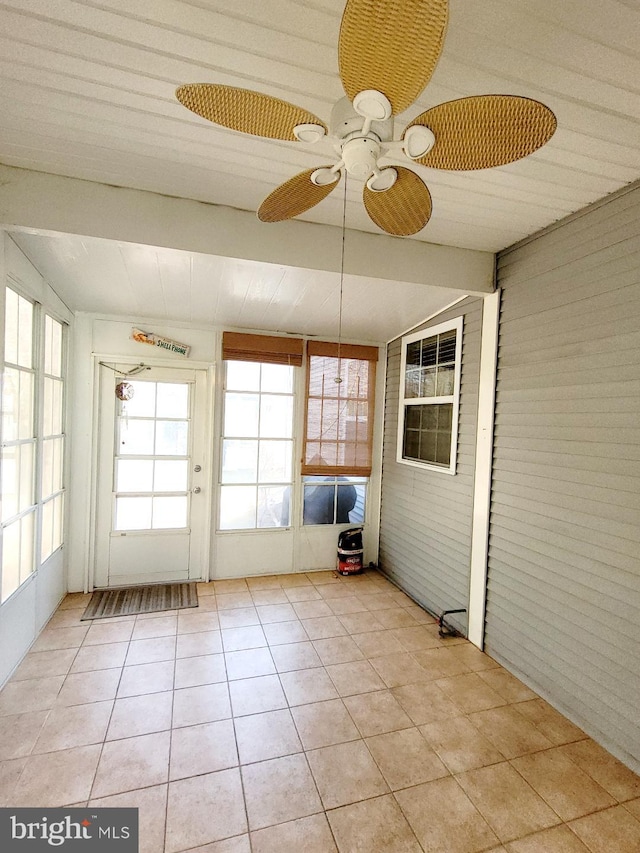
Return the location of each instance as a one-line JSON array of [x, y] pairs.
[[153, 598]]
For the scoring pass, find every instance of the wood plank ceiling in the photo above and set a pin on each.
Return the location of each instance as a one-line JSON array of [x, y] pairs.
[[87, 91]]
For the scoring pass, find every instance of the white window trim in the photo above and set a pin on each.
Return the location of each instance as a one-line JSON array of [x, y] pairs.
[[429, 332]]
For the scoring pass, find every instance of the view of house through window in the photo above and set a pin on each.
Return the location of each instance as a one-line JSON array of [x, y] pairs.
[[430, 388], [32, 440]]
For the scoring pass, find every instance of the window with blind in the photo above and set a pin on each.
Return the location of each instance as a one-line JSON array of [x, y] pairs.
[[257, 442], [339, 409], [430, 396]]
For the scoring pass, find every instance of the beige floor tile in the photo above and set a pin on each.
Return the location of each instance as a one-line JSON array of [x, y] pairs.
[[324, 723], [10, 772], [205, 588], [191, 820], [256, 695], [606, 831], [323, 627], [79, 725], [140, 715], [346, 773], [240, 639], [550, 722], [510, 806], [36, 694], [242, 617], [202, 749], [137, 762], [425, 703], [264, 597], [160, 626], [19, 732], [355, 677], [558, 839], [308, 834], [476, 660], [192, 622], [238, 844], [269, 735], [470, 693], [507, 729], [346, 604], [308, 685], [108, 656], [324, 576], [363, 622], [102, 632], [506, 685], [444, 818], [399, 669], [297, 579], [80, 688], [270, 614], [633, 806], [234, 600], [621, 782], [565, 787], [294, 656], [373, 825], [396, 617], [60, 638], [279, 790], [376, 601], [74, 600], [57, 778], [45, 664], [232, 585], [302, 593], [151, 804], [283, 633], [378, 643], [405, 758], [265, 582], [441, 662], [377, 713], [330, 592], [203, 643], [249, 663], [311, 609], [146, 678], [460, 745], [198, 670], [206, 703], [206, 604], [416, 638], [151, 651], [337, 650]]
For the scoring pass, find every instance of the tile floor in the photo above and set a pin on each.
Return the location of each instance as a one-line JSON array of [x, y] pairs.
[[304, 713]]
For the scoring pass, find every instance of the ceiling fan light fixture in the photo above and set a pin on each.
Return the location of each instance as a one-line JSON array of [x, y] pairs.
[[373, 105], [418, 140], [381, 181], [309, 133], [325, 176]]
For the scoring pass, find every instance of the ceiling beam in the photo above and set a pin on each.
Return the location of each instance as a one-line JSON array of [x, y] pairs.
[[37, 201]]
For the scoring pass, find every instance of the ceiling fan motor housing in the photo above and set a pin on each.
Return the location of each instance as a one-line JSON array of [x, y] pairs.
[[345, 120]]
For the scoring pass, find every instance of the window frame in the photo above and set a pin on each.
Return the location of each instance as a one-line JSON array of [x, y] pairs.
[[404, 402]]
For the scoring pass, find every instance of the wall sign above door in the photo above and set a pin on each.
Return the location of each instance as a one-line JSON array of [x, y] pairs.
[[158, 341]]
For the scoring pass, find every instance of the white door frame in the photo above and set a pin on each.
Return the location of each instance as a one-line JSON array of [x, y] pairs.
[[129, 361]]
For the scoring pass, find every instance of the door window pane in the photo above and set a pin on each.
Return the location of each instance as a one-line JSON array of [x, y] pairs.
[[136, 438], [143, 402], [241, 412], [134, 475], [51, 466], [273, 506], [52, 406], [171, 476], [237, 507], [169, 512], [171, 438], [172, 400], [239, 461], [133, 513], [276, 416], [275, 462]]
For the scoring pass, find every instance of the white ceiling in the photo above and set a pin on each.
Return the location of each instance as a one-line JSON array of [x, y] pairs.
[[87, 91]]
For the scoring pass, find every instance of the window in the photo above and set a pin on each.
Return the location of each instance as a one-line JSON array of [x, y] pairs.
[[32, 440], [257, 446], [334, 500], [429, 396]]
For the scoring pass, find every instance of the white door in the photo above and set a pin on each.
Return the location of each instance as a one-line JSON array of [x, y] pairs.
[[152, 496]]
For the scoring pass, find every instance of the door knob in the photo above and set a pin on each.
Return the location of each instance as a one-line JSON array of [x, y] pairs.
[[197, 490], [197, 468]]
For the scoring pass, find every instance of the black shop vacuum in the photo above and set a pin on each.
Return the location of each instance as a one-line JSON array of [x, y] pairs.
[[350, 551]]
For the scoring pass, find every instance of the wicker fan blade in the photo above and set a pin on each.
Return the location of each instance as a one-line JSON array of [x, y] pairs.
[[402, 210], [293, 197], [391, 46], [245, 110], [485, 131]]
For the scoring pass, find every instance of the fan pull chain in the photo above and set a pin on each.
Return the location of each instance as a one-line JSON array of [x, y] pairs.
[[338, 378]]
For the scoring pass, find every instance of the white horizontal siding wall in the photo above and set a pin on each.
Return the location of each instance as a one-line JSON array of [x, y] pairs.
[[563, 599], [426, 515]]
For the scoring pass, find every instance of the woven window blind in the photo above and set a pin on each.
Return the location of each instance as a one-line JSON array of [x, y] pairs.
[[237, 346], [339, 416]]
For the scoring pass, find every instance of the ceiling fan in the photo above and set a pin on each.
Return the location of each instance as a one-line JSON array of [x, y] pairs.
[[388, 50]]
